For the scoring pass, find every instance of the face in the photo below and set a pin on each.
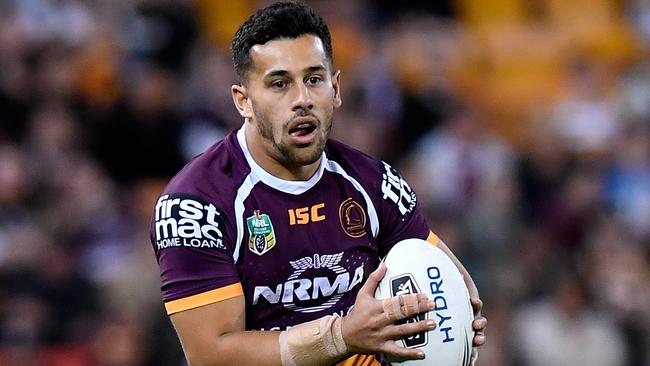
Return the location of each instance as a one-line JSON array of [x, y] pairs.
[[290, 98]]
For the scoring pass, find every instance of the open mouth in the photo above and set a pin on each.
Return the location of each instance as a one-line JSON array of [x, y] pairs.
[[302, 129]]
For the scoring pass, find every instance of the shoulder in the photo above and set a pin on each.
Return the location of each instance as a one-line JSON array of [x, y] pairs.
[[196, 207], [204, 189], [354, 162], [213, 175], [378, 178], [369, 171]]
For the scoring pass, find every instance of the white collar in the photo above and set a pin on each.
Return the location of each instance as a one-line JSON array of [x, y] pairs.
[[288, 186]]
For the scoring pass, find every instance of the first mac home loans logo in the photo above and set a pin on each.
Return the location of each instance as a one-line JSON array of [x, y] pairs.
[[186, 221], [395, 189]]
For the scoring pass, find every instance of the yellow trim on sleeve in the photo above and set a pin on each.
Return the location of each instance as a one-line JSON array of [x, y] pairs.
[[204, 298], [360, 360], [433, 238]]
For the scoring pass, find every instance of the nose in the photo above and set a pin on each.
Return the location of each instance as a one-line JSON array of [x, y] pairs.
[[303, 99]]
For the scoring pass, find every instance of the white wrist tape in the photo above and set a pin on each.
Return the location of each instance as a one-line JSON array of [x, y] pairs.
[[318, 342]]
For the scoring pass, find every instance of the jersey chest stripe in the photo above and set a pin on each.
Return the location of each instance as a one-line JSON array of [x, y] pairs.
[[243, 192], [334, 167]]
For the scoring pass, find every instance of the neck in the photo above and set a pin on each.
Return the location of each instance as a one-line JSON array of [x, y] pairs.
[[260, 149]]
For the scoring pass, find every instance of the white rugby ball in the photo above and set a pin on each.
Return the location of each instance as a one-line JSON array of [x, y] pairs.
[[414, 266]]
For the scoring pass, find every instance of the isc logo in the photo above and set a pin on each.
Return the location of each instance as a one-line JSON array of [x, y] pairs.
[[305, 215]]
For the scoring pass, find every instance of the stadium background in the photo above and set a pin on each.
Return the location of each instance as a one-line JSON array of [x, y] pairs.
[[522, 124]]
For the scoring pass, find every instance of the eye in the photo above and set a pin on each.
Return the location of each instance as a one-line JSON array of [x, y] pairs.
[[279, 84], [314, 79]]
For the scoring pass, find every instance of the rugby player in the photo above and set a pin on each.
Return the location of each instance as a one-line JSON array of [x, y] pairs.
[[269, 243]]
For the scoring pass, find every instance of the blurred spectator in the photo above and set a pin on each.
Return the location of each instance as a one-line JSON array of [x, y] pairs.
[[15, 91], [587, 120], [210, 112], [639, 12], [454, 163], [542, 169], [627, 181], [563, 330], [139, 138], [389, 10], [634, 91], [424, 54], [161, 32], [620, 281], [14, 180], [119, 341], [66, 21], [571, 212]]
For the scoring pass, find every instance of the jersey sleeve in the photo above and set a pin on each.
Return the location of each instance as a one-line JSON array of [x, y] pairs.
[[191, 240], [400, 216]]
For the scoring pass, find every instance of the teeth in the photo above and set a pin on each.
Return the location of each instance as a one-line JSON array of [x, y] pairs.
[[303, 125]]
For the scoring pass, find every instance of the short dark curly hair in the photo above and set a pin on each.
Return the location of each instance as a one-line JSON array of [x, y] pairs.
[[290, 19]]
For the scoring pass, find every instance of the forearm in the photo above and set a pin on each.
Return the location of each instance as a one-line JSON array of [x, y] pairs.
[[214, 335], [315, 343], [236, 348], [471, 286]]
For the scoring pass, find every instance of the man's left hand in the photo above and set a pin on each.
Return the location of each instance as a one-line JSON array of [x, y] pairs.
[[478, 324]]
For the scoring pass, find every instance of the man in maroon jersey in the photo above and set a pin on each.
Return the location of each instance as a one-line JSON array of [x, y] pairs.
[[268, 239]]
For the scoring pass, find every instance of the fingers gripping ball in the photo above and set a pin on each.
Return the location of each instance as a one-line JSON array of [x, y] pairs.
[[401, 306], [417, 266]]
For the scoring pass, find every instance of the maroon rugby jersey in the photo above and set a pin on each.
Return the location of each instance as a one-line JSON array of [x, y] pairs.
[[296, 250]]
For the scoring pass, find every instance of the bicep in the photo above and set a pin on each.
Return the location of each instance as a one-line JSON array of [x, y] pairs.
[[215, 334], [200, 327]]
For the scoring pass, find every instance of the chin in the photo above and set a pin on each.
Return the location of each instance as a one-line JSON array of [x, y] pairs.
[[303, 155], [307, 158]]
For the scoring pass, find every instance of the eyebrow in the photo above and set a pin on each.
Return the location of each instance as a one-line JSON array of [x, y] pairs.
[[307, 70], [315, 68]]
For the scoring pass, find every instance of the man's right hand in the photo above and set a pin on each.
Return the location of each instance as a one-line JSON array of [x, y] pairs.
[[370, 327]]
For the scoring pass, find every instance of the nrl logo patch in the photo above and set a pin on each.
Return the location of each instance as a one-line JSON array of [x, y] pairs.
[[260, 230]]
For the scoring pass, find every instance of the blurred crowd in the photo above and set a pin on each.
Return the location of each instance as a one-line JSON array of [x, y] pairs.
[[524, 126]]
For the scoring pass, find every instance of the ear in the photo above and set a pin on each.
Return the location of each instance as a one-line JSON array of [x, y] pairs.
[[241, 101], [336, 84]]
